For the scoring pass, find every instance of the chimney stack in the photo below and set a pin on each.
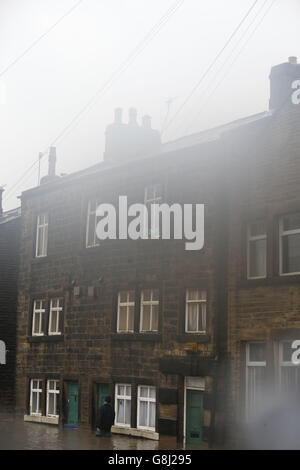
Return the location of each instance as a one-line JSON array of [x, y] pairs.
[[51, 167], [281, 78]]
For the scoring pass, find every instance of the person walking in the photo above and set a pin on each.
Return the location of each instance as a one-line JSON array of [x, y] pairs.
[[106, 419]]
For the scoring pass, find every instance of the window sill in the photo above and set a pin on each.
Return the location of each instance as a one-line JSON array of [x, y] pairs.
[[270, 281], [155, 337], [135, 432], [41, 419], [194, 337], [45, 339]]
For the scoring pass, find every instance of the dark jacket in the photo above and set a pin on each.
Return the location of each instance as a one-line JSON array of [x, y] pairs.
[[106, 417]]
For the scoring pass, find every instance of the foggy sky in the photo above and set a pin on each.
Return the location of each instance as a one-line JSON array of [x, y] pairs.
[[50, 84]]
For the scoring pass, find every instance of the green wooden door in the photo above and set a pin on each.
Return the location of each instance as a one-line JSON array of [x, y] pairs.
[[103, 391], [194, 417], [73, 403]]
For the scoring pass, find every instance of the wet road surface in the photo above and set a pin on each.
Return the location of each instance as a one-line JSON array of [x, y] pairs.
[[17, 435]]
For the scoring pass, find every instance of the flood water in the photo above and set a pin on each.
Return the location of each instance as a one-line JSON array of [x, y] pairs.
[[15, 434]]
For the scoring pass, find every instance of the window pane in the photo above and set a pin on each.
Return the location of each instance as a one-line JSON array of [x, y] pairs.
[[287, 351], [143, 413], [152, 392], [51, 404], [257, 228], [131, 295], [192, 316], [122, 318], [202, 318], [257, 352], [291, 253], [121, 412], [290, 379], [256, 381], [121, 389], [152, 407], [123, 297], [34, 402], [128, 412], [154, 317], [291, 222], [36, 325], [257, 258], [91, 230], [193, 294], [131, 318], [128, 391], [146, 318], [53, 322], [40, 241], [147, 295], [144, 392]]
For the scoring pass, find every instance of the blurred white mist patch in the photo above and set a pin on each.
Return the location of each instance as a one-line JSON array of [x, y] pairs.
[[276, 425], [3, 94]]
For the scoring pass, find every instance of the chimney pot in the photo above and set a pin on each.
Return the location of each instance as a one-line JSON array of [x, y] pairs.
[[132, 116], [52, 161], [293, 60], [118, 116], [146, 122]]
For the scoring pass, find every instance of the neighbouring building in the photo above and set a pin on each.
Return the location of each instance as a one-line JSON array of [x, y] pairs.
[[182, 340], [264, 268], [9, 260]]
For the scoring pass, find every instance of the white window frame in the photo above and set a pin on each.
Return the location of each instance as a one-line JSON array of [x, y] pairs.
[[283, 233], [151, 303], [125, 398], [39, 392], [55, 392], [251, 364], [127, 304], [200, 301], [91, 213], [254, 238], [148, 400], [44, 226], [41, 312], [59, 311], [148, 201], [283, 363]]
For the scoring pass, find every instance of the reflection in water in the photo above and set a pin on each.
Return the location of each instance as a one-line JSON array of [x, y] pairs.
[[15, 434]]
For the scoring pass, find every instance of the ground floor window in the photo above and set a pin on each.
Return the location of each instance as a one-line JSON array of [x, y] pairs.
[[123, 405], [255, 377], [289, 373], [36, 397], [146, 407], [52, 398]]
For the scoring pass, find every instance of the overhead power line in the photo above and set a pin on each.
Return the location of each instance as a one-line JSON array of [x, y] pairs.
[[103, 89], [236, 57], [203, 76], [36, 41]]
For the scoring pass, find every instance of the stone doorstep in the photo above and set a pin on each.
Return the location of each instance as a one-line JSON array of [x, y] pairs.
[[135, 432], [41, 419]]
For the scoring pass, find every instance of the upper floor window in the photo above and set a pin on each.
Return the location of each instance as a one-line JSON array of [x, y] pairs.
[[55, 317], [38, 318], [91, 237], [123, 405], [41, 236], [126, 303], [149, 310], [289, 229], [153, 195], [35, 397], [146, 407], [195, 311], [52, 398], [256, 250], [255, 377]]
